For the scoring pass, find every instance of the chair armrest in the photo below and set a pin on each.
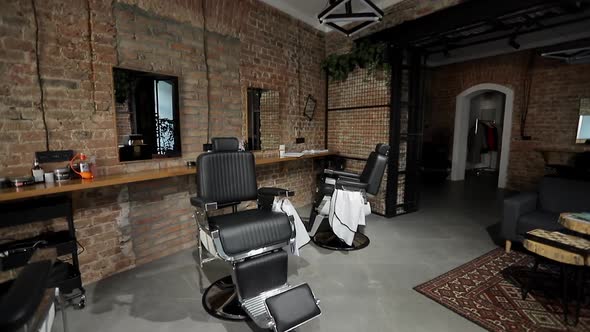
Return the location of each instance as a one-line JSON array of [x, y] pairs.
[[351, 185], [21, 301], [340, 174], [266, 196], [344, 178], [203, 204], [514, 208], [271, 191]]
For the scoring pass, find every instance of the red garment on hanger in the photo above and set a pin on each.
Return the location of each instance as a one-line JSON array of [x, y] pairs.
[[492, 138]]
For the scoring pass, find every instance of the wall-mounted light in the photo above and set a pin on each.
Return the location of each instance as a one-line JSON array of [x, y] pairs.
[[340, 11]]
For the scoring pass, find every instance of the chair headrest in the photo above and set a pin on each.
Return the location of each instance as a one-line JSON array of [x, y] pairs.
[[221, 144], [382, 149]]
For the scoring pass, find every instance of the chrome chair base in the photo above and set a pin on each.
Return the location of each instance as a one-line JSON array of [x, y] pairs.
[[329, 240], [220, 300]]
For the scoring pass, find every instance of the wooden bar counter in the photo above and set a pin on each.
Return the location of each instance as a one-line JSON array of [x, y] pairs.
[[8, 194]]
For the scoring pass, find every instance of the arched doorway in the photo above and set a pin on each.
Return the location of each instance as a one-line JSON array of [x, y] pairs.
[[462, 127]]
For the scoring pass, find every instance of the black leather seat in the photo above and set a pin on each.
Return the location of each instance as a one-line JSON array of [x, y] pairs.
[[251, 229]]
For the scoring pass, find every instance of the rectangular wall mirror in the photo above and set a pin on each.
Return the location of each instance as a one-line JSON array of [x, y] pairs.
[[148, 124], [583, 133], [264, 127]]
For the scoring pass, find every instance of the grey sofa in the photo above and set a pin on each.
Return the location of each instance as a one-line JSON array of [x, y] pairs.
[[541, 209]]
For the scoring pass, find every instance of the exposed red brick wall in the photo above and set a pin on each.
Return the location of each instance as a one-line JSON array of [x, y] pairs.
[[103, 229], [285, 55], [160, 217], [250, 44], [146, 35], [299, 176], [556, 89], [71, 118], [150, 42]]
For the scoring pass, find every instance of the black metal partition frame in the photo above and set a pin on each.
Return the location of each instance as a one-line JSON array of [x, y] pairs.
[[406, 130], [402, 99], [360, 103]]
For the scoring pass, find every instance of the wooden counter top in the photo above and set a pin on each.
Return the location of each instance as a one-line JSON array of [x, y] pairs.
[[275, 160], [41, 189], [8, 194]]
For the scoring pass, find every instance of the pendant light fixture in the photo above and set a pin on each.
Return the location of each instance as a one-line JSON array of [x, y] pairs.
[[340, 16]]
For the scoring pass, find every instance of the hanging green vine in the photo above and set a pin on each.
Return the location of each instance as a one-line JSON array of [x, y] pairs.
[[123, 82], [364, 55]]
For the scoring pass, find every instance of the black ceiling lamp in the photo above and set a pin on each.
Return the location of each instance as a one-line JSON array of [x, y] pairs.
[[512, 42], [339, 15], [446, 52]]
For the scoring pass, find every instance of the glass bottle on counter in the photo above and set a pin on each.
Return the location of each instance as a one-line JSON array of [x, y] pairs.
[[37, 171]]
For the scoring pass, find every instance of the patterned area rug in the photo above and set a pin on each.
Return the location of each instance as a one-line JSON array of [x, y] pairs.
[[487, 291]]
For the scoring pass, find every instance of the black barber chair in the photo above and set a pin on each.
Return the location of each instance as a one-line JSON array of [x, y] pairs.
[[251, 240], [25, 302], [368, 183]]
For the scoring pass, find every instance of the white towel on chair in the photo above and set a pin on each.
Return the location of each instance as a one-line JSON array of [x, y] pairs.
[[301, 237], [347, 212]]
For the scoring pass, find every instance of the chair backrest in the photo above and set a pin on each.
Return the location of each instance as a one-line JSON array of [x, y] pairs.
[[564, 195], [226, 175], [375, 168]]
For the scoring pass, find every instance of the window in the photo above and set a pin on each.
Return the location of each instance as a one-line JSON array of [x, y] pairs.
[[148, 124], [164, 117], [583, 133], [584, 128]]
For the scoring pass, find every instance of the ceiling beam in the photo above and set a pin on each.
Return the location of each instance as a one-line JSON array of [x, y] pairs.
[[448, 19]]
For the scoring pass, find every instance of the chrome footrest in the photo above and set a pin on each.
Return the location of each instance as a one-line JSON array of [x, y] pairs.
[[273, 309], [256, 307]]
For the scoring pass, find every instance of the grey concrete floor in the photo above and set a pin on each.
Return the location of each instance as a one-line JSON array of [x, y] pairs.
[[366, 290]]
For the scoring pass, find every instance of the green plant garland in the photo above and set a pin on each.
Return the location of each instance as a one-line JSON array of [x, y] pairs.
[[365, 55], [123, 82]]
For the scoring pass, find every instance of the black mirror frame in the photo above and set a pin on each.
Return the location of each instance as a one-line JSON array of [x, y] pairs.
[[305, 109]]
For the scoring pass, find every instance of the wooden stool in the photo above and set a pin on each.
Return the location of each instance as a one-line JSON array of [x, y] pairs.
[[567, 250]]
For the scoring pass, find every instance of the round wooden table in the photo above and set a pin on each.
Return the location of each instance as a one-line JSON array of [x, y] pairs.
[[569, 251], [558, 247], [577, 222]]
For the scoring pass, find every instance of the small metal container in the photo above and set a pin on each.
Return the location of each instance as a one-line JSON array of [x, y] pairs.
[[62, 174], [135, 140], [22, 181]]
